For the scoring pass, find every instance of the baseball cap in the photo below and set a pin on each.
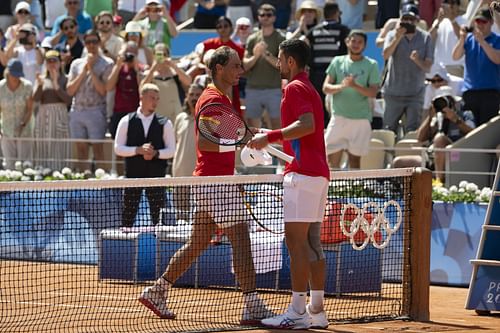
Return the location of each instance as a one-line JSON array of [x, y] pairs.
[[243, 21], [28, 27], [484, 14], [153, 2], [409, 10], [446, 91], [23, 5], [438, 69], [15, 67]]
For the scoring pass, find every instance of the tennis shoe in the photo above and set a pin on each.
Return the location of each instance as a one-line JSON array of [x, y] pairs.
[[318, 320], [253, 315], [289, 320], [154, 299]]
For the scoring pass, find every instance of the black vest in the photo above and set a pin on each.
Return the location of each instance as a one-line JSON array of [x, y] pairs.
[[137, 166]]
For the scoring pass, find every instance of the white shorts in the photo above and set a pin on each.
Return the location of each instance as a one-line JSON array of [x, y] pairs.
[[304, 198], [351, 134], [225, 205]]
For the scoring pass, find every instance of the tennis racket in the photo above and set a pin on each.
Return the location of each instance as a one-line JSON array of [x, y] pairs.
[[219, 124], [265, 206]]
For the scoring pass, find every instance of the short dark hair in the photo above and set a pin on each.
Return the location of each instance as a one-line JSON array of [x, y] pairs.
[[297, 49], [221, 56], [91, 32], [330, 9], [223, 19], [67, 18], [358, 32], [266, 7]]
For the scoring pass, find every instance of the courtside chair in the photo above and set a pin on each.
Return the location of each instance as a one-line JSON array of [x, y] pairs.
[[376, 156]]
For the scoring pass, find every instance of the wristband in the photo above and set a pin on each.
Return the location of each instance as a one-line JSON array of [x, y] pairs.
[[226, 149], [274, 135]]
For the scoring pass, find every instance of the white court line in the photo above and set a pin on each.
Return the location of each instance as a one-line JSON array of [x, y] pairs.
[[111, 308]]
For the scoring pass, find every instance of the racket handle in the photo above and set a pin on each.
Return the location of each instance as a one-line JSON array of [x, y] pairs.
[[279, 154]]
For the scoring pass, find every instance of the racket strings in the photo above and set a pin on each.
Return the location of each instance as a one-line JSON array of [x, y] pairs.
[[219, 124]]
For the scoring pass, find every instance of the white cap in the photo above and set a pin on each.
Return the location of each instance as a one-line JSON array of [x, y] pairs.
[[243, 21], [444, 91], [153, 2], [22, 5], [252, 157], [440, 70]]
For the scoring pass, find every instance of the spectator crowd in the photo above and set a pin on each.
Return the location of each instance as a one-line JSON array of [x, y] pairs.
[[72, 69]]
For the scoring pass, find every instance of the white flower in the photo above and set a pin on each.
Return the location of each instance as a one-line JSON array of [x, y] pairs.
[[99, 173], [3, 173], [29, 172], [18, 165], [38, 177], [463, 184], [453, 189], [25, 178], [56, 174], [16, 175], [471, 187], [27, 164], [66, 171], [461, 190], [46, 172]]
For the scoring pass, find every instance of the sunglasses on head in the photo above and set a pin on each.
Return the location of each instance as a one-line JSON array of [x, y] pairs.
[[23, 12], [266, 15]]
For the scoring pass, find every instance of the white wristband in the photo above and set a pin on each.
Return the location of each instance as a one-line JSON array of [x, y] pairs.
[[225, 149]]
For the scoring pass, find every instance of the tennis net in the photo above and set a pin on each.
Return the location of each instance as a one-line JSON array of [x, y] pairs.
[[71, 261]]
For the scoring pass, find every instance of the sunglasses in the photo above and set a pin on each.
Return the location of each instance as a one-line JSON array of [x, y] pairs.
[[222, 26], [68, 27], [134, 33], [266, 15], [105, 22], [92, 41], [480, 21], [243, 27], [438, 80], [23, 12], [53, 60]]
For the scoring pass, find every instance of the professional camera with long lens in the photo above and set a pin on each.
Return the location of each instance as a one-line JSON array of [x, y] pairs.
[[442, 102], [129, 57]]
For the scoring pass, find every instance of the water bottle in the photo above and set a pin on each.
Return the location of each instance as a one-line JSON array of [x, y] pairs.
[[440, 118]]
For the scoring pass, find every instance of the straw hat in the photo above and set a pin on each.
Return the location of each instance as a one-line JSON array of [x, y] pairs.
[[132, 26], [307, 4]]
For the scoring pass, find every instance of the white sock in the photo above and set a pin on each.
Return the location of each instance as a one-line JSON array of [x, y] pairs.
[[299, 301], [251, 299], [317, 297], [163, 284]]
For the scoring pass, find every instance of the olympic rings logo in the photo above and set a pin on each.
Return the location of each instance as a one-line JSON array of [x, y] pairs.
[[378, 226]]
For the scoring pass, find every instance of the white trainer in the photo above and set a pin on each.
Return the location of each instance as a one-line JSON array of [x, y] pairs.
[[154, 299], [253, 315], [319, 320], [289, 320]]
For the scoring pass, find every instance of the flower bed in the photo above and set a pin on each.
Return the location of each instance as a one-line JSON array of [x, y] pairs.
[[464, 192]]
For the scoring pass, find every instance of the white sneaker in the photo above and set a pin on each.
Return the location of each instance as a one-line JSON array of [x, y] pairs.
[[319, 320], [155, 300], [289, 320], [253, 315]]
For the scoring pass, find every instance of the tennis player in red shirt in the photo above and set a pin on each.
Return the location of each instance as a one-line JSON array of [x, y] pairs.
[[305, 187], [215, 208]]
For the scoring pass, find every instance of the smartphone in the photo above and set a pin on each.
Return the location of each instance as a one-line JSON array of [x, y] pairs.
[[410, 28], [159, 57]]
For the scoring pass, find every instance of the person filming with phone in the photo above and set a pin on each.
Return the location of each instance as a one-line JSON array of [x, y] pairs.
[[446, 123], [409, 53]]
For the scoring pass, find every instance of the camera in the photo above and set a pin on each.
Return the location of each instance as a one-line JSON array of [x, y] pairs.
[[410, 28], [441, 103], [469, 29], [129, 57]]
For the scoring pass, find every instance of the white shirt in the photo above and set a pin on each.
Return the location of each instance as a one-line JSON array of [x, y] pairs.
[[454, 82], [446, 41], [121, 148]]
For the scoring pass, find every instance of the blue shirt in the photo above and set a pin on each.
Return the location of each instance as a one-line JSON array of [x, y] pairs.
[[84, 23], [352, 15], [480, 72]]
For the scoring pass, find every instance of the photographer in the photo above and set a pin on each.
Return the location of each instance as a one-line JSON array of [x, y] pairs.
[[446, 123], [481, 48], [409, 53], [125, 77]]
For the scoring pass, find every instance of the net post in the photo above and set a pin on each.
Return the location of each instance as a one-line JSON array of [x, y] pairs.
[[419, 251]]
